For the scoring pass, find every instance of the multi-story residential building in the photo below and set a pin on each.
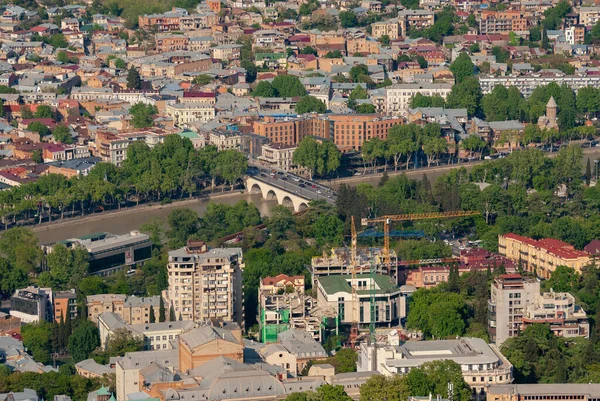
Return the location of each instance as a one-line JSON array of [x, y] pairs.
[[542, 256], [293, 351], [166, 42], [168, 21], [198, 21], [186, 113], [527, 83], [544, 392], [290, 131], [279, 157], [588, 16], [172, 64], [226, 52], [351, 131], [103, 303], [32, 304], [390, 28], [498, 22], [65, 304], [225, 140], [575, 34], [417, 19], [515, 302], [481, 364], [205, 283], [136, 310], [398, 96]]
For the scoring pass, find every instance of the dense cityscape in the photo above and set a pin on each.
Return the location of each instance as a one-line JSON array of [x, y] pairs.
[[311, 200]]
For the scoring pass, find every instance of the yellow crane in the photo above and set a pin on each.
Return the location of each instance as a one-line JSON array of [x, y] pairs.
[[387, 220]]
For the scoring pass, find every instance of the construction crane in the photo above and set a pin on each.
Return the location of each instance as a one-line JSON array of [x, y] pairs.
[[387, 220], [353, 261]]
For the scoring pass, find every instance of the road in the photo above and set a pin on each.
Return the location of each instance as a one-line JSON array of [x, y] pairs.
[[294, 184], [436, 171]]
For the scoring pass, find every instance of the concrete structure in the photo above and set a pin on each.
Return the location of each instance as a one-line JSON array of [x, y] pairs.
[[103, 303], [32, 304], [515, 303], [335, 292], [398, 96], [588, 16], [415, 19], [542, 256], [543, 392], [108, 252], [482, 365], [205, 283]]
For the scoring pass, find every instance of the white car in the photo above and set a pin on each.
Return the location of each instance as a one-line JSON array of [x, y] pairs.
[[358, 173], [319, 191], [296, 179]]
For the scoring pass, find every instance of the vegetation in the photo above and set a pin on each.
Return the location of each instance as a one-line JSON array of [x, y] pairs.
[[317, 158], [310, 104]]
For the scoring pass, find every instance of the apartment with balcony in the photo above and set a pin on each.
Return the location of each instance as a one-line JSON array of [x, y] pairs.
[[542, 256], [205, 284], [515, 303]]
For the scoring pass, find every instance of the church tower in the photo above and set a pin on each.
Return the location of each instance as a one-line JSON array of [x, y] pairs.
[[551, 108]]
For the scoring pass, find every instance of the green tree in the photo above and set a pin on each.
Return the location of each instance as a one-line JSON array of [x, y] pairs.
[[62, 133], [84, 340], [467, 95], [37, 156], [142, 115], [365, 108], [502, 55], [310, 104], [359, 73], [389, 388], [183, 223], [44, 111], [436, 313], [202, 79], [162, 317], [120, 63], [20, 246], [348, 19], [474, 143], [36, 338], [462, 67], [264, 89], [384, 40], [288, 86], [231, 165], [40, 128], [133, 79]]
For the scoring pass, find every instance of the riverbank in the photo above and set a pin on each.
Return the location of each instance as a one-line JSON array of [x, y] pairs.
[[125, 220]]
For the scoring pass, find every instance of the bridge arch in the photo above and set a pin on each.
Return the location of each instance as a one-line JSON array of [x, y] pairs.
[[272, 191], [255, 189]]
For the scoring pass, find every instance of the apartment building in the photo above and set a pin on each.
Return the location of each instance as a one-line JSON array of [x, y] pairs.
[[575, 34], [290, 131], [390, 28], [527, 83], [189, 112], [166, 42], [226, 52], [205, 283], [351, 131], [589, 16], [164, 22], [515, 303], [172, 64], [501, 22], [65, 304], [32, 304], [481, 364], [542, 256], [133, 310], [398, 96], [198, 21], [544, 392], [417, 19]]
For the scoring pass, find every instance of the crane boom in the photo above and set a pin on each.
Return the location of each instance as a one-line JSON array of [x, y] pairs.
[[387, 220]]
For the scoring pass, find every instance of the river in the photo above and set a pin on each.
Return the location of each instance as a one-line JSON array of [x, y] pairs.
[[124, 221], [132, 219]]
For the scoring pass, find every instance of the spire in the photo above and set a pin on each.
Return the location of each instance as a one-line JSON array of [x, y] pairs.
[[551, 102]]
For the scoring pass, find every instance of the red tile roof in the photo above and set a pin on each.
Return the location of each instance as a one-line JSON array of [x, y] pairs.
[[551, 245]]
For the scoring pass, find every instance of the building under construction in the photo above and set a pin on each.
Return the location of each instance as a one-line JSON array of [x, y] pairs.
[[284, 305], [339, 262]]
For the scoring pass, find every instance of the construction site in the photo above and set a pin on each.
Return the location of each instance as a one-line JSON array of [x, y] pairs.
[[355, 290]]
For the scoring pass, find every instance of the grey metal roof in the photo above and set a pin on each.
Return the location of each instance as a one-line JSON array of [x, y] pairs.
[[205, 334]]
